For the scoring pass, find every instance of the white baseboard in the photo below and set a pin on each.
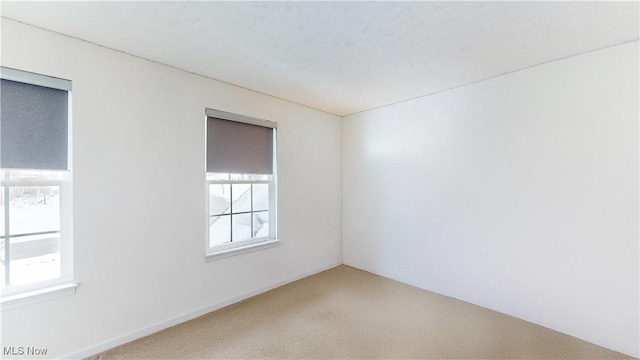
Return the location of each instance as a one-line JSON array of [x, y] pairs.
[[120, 340]]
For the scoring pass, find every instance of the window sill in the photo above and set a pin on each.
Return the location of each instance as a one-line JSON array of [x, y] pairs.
[[221, 254], [36, 296]]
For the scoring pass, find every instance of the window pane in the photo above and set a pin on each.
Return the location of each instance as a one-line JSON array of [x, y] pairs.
[[36, 175], [34, 258], [249, 177], [241, 227], [219, 230], [219, 199], [2, 223], [34, 209], [2, 280], [261, 224], [241, 198], [217, 176], [2, 214], [34, 220], [260, 197]]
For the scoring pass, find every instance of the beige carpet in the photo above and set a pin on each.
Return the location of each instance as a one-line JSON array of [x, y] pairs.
[[348, 313]]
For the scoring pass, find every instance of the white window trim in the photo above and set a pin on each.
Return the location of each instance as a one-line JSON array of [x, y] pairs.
[[265, 243], [39, 295], [13, 297], [35, 79], [240, 118]]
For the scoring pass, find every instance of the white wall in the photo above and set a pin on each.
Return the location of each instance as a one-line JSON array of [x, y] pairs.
[[139, 195], [519, 194]]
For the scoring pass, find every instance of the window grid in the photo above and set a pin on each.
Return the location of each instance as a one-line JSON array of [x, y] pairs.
[[7, 238], [231, 212]]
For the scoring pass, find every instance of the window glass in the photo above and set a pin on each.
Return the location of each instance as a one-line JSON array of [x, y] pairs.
[[33, 204], [2, 237], [219, 230], [217, 176], [241, 227], [261, 224], [219, 199], [239, 208], [241, 198], [34, 209], [260, 197], [35, 175]]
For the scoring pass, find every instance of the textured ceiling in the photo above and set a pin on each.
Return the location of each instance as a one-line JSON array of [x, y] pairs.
[[342, 57]]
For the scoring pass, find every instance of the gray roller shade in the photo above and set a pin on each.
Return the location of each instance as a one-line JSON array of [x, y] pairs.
[[238, 148], [34, 124]]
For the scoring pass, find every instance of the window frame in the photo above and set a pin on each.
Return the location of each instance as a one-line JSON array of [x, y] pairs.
[[17, 296], [248, 245]]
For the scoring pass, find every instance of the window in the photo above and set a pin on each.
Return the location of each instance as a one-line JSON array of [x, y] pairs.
[[241, 184], [35, 191]]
